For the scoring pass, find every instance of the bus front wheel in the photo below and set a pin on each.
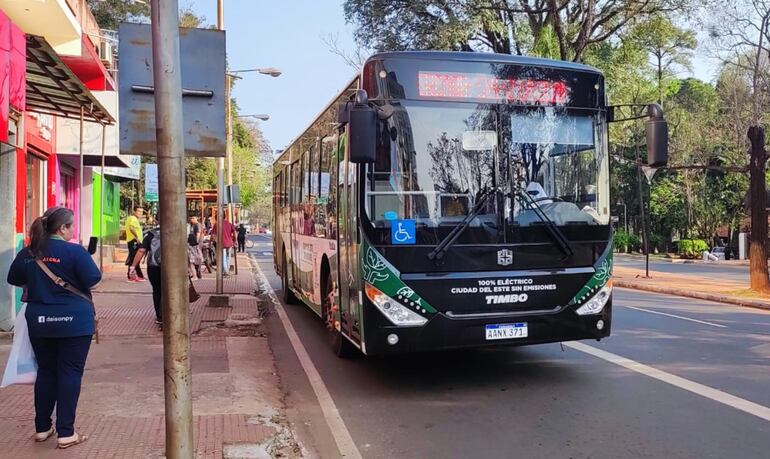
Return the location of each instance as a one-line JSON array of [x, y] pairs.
[[340, 345]]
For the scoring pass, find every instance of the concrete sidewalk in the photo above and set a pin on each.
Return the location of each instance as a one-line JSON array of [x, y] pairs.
[[237, 401], [692, 286]]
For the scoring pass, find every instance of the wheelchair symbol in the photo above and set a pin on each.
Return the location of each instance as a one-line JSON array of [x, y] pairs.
[[401, 235], [402, 232]]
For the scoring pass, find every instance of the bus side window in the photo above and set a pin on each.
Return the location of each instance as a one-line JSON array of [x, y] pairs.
[[331, 207], [304, 188], [276, 189], [314, 165], [295, 184]]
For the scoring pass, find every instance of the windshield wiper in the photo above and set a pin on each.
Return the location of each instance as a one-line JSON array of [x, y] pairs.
[[553, 230], [438, 253]]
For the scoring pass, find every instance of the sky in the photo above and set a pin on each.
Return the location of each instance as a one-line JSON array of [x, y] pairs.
[[287, 34]]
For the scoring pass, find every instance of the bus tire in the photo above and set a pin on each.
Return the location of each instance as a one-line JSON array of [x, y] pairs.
[[287, 295], [340, 345]]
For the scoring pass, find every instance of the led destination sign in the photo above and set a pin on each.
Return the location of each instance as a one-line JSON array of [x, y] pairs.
[[480, 86]]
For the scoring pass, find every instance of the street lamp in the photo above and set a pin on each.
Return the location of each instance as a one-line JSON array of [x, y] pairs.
[[230, 76], [271, 71], [233, 75], [261, 116]]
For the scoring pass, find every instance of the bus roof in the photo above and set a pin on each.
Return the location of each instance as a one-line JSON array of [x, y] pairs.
[[485, 57]]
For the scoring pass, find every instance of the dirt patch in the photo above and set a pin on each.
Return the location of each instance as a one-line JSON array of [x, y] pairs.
[[242, 323]]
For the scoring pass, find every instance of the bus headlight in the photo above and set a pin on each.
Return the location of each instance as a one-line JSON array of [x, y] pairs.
[[597, 302], [393, 310]]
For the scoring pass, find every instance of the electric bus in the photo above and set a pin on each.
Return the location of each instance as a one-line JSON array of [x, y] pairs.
[[451, 199]]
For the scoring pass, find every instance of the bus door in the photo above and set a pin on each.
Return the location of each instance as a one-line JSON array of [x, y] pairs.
[[295, 222], [348, 247]]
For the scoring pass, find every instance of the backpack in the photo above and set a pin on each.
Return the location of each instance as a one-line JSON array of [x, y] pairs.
[[192, 238], [153, 259]]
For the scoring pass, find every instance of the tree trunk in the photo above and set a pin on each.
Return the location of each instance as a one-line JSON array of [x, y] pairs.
[[758, 252]]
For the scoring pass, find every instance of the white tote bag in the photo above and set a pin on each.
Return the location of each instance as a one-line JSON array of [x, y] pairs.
[[22, 366]]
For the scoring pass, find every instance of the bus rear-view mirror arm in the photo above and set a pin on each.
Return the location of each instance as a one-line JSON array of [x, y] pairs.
[[656, 130]]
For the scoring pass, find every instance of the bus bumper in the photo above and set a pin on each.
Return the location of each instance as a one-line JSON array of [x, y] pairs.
[[443, 332]]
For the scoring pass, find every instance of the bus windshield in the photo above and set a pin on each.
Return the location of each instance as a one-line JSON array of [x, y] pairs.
[[435, 160]]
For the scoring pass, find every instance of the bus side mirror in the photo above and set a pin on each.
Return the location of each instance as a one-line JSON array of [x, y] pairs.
[[362, 129], [656, 130]]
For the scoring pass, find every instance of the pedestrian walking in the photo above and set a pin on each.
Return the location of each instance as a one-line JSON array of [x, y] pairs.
[[133, 239], [207, 224], [58, 277], [242, 238], [151, 247], [228, 241], [194, 255]]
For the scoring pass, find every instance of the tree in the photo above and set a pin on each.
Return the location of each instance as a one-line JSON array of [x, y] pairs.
[[741, 32], [110, 13], [670, 46], [501, 26]]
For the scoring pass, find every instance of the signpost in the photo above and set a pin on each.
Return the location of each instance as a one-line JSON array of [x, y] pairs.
[[170, 144], [151, 182]]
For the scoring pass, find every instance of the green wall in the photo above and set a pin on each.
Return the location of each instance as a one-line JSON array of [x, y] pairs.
[[111, 210]]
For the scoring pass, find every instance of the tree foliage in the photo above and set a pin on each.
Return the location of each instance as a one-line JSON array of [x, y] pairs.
[[110, 13], [501, 26]]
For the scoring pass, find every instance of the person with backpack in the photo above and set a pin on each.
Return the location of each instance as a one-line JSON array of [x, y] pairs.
[[58, 277], [151, 246]]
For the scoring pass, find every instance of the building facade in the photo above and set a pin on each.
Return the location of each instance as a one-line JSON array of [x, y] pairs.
[[55, 64]]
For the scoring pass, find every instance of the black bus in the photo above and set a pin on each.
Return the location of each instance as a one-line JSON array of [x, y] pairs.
[[449, 199]]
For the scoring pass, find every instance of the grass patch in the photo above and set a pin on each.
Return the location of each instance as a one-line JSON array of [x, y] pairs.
[[747, 293]]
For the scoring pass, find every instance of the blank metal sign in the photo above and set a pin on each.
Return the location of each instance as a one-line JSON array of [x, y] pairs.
[[202, 54]]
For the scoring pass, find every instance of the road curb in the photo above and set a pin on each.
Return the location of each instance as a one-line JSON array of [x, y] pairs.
[[691, 294]]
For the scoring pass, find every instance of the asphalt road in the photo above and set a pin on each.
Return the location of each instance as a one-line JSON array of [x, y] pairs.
[[716, 270], [545, 401]]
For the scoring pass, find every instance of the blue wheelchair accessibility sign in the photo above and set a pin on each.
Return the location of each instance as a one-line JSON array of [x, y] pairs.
[[402, 232]]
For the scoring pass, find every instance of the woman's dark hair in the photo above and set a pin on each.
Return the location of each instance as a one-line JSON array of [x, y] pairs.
[[46, 225]]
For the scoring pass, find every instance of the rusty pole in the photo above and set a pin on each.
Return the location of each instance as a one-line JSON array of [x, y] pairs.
[[81, 192], [101, 202], [221, 171], [170, 145]]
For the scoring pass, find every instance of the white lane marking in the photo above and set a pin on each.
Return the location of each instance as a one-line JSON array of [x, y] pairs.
[[716, 395], [675, 316], [342, 437]]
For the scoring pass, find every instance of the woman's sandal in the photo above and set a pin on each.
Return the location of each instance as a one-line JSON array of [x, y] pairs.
[[79, 438], [43, 436]]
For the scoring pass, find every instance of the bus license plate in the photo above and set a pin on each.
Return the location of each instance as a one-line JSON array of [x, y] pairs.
[[507, 331]]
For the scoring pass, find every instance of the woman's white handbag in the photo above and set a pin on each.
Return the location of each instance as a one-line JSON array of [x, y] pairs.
[[22, 365]]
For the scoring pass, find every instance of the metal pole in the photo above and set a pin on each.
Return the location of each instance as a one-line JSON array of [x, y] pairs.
[[625, 217], [170, 146], [81, 193], [221, 170], [101, 203], [229, 154], [641, 210]]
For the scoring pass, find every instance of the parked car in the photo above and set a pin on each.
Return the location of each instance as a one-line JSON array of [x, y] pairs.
[[718, 252]]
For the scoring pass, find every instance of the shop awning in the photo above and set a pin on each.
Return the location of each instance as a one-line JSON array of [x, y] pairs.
[[53, 88], [96, 160]]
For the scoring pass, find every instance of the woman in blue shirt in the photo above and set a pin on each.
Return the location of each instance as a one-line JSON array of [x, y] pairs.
[[60, 322]]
